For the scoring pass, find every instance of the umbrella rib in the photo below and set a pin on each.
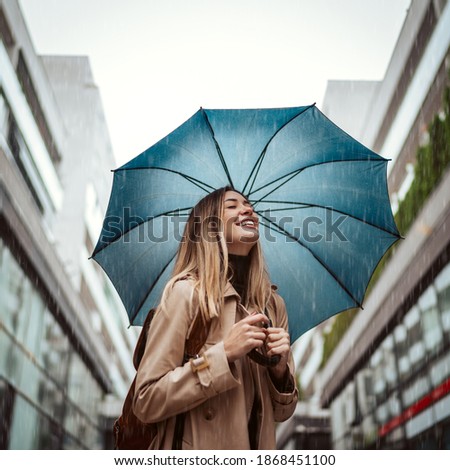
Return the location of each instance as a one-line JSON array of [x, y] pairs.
[[133, 317], [332, 274], [219, 151], [121, 234], [191, 179], [257, 166], [292, 176], [296, 172], [301, 205], [333, 140]]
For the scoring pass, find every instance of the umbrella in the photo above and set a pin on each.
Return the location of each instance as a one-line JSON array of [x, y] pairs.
[[321, 196]]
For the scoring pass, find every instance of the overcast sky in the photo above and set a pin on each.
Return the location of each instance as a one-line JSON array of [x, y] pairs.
[[157, 62]]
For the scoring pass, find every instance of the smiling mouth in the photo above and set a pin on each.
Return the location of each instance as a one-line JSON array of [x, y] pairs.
[[247, 224]]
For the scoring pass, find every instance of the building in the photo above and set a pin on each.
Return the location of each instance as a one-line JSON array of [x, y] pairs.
[[308, 429], [387, 383], [65, 349]]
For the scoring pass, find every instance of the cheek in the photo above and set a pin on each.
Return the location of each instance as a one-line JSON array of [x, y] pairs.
[[228, 227]]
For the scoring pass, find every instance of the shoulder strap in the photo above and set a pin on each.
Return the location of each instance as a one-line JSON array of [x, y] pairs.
[[142, 340], [197, 336]]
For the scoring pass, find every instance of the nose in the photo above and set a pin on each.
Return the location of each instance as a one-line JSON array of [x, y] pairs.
[[245, 210]]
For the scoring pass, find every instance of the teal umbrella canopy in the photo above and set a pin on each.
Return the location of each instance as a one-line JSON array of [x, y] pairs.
[[321, 197]]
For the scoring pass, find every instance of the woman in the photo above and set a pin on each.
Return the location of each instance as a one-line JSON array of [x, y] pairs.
[[230, 402]]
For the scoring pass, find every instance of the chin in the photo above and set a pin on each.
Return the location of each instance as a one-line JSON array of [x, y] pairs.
[[243, 246], [248, 242], [247, 237]]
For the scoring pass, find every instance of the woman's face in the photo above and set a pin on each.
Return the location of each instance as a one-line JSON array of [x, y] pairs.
[[240, 224]]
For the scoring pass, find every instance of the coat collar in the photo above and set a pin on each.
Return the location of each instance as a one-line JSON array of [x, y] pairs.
[[230, 291]]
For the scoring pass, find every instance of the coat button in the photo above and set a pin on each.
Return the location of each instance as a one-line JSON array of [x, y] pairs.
[[209, 415]]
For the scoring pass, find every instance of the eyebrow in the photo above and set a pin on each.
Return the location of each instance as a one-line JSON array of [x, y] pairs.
[[235, 200]]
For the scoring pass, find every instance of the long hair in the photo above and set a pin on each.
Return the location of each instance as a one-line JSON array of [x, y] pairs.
[[203, 256]]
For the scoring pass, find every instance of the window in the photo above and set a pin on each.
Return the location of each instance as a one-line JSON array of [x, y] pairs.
[[33, 100]]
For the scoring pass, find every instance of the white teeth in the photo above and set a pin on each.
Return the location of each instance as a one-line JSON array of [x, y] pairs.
[[247, 223]]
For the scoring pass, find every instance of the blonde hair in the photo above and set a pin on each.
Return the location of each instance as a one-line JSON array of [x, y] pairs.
[[203, 256]]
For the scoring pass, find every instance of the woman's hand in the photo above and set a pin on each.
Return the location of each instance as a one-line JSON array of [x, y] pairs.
[[278, 343], [245, 335]]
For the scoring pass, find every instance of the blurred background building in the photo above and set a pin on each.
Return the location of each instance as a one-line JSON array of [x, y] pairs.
[[380, 378], [65, 349]]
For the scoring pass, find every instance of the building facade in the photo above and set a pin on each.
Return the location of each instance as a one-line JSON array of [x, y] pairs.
[[387, 383], [65, 349]]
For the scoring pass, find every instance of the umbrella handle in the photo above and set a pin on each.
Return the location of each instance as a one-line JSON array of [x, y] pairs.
[[263, 360]]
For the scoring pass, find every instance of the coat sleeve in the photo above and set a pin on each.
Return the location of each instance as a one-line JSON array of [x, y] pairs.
[[165, 386], [283, 402]]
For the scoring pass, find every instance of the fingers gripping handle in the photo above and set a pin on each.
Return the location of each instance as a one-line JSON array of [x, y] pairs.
[[261, 358], [266, 361]]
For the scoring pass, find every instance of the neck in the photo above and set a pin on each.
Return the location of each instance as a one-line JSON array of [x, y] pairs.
[[239, 249], [238, 271]]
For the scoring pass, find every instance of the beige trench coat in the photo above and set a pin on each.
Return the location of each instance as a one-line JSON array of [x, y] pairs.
[[218, 398]]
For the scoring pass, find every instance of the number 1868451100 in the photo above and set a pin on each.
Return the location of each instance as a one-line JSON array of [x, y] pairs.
[[297, 459]]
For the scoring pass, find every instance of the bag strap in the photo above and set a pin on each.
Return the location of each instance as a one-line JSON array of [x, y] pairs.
[[197, 336]]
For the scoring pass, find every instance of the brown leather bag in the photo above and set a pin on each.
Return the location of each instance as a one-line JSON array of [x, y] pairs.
[[129, 432]]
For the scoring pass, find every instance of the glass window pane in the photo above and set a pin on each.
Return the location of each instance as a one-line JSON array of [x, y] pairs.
[[25, 426], [416, 390], [12, 283], [433, 334], [4, 114], [55, 350], [440, 370], [444, 307]]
